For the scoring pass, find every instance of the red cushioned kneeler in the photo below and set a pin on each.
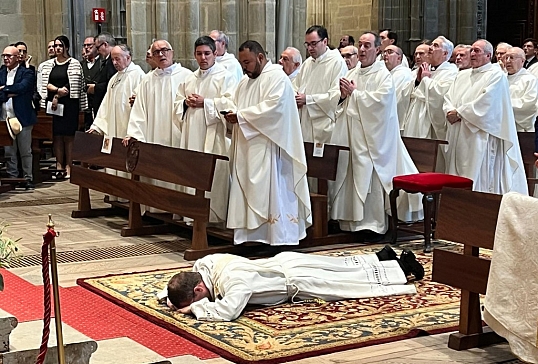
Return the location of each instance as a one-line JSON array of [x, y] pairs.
[[429, 184]]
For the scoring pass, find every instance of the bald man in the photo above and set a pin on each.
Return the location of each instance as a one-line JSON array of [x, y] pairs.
[[402, 78], [523, 89], [482, 137], [151, 117]]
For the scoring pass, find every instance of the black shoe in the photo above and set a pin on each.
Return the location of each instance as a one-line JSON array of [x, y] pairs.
[[387, 253], [29, 186], [410, 264]]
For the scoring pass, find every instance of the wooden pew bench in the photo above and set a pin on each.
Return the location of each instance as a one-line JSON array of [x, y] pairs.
[[144, 160], [469, 218], [526, 144]]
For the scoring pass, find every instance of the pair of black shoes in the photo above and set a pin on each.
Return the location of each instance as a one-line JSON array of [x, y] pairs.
[[407, 261]]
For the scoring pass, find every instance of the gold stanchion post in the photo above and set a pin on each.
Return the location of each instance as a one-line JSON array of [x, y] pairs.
[[56, 295]]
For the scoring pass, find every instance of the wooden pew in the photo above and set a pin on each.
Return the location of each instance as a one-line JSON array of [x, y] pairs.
[[469, 218], [526, 144], [173, 165]]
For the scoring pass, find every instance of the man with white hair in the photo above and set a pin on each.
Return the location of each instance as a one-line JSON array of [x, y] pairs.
[[523, 89], [317, 86], [482, 137], [368, 124], [291, 61], [425, 118], [113, 115], [351, 56], [500, 51], [226, 59], [463, 56], [151, 117], [402, 77]]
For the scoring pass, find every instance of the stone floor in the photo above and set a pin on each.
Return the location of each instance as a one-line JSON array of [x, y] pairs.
[[29, 223]]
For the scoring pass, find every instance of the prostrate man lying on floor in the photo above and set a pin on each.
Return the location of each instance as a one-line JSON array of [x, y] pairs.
[[221, 285]]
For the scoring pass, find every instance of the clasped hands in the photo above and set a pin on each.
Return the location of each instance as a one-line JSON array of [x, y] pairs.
[[453, 117], [195, 100], [346, 87]]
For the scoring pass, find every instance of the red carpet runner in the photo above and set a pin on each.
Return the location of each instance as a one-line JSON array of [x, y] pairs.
[[94, 317]]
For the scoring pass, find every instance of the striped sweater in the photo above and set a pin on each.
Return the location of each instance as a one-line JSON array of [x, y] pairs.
[[76, 81]]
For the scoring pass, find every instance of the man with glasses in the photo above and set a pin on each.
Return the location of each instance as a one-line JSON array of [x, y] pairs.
[[482, 137], [402, 78], [425, 118], [388, 37], [226, 59], [103, 43], [350, 55], [368, 124], [523, 89], [90, 68], [17, 84], [316, 86]]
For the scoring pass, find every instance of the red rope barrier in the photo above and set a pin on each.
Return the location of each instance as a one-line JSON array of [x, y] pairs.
[[47, 239]]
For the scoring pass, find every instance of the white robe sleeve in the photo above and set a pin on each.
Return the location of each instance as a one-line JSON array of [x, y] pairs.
[[524, 103], [227, 308], [138, 118]]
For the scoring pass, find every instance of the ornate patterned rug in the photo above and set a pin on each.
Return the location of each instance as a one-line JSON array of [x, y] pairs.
[[268, 335]]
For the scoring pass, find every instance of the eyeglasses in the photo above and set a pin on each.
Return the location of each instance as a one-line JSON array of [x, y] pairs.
[[100, 45], [312, 44], [8, 55], [158, 52], [348, 55], [512, 58], [390, 51]]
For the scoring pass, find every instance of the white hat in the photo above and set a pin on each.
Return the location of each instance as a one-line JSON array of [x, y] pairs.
[[14, 127]]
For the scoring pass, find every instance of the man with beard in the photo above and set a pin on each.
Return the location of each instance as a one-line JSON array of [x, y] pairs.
[[317, 86], [198, 103], [368, 124], [269, 198], [482, 137]]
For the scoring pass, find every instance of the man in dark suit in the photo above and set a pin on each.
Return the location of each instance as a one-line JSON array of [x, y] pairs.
[[91, 66], [24, 61], [16, 91], [530, 46], [104, 43]]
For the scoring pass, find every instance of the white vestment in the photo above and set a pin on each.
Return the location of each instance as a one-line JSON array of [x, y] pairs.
[[484, 145], [368, 124], [533, 69], [319, 80], [404, 84], [425, 117], [511, 305], [113, 115], [269, 198], [152, 113], [204, 129], [524, 97], [235, 281], [228, 61]]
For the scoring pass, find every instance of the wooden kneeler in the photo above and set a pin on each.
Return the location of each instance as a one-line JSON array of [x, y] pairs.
[[469, 218]]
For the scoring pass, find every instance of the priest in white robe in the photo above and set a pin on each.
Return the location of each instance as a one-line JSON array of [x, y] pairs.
[[317, 86], [482, 137], [425, 117], [269, 197], [152, 113], [227, 60], [403, 79], [368, 124], [221, 285], [523, 89], [198, 103], [113, 115]]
